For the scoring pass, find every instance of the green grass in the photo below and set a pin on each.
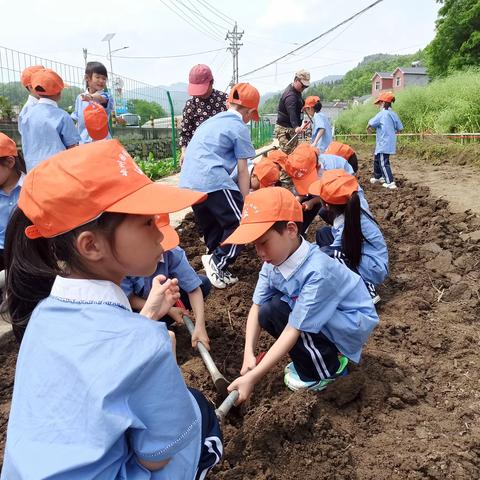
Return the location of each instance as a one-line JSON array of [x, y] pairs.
[[448, 105]]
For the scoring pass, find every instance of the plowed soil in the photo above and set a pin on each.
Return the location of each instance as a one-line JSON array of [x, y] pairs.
[[409, 410]]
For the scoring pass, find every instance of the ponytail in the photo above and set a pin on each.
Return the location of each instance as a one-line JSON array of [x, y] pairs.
[[32, 265], [352, 237]]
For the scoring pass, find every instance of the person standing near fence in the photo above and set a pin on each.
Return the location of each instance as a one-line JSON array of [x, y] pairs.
[[26, 79], [206, 102], [290, 107]]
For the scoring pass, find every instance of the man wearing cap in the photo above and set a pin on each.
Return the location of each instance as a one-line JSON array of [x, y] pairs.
[[206, 102], [289, 112]]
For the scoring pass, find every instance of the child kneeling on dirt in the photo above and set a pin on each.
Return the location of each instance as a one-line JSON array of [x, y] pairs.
[[220, 144], [173, 264], [98, 393], [355, 237], [319, 311]]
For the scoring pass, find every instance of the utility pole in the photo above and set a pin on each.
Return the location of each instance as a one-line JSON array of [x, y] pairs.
[[234, 36]]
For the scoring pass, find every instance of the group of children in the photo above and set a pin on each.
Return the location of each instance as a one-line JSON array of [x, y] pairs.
[[98, 392]]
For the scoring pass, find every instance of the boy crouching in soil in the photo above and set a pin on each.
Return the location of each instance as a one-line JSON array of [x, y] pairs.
[[319, 311]]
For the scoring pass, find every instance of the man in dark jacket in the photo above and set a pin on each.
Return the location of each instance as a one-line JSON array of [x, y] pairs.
[[289, 118]]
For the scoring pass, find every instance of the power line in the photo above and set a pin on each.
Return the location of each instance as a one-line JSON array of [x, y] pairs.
[[184, 10], [189, 22], [169, 56], [234, 36], [209, 20], [217, 12], [314, 39]]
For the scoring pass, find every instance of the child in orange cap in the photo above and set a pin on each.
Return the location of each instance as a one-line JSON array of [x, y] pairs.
[[321, 128], [221, 145], [265, 173], [104, 377], [11, 179], [355, 237], [386, 124], [305, 165], [96, 77], [46, 129], [26, 80], [345, 151], [278, 157], [317, 309]]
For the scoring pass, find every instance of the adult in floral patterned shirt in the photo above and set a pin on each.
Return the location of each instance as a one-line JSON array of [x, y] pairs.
[[205, 103]]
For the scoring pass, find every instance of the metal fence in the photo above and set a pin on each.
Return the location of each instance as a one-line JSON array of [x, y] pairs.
[[125, 91]]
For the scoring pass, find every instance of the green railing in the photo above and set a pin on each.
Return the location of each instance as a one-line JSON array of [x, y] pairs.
[[261, 132]]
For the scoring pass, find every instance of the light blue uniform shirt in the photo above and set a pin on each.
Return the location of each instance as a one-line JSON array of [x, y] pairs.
[[95, 386], [386, 124], [214, 151], [31, 101], [8, 201], [324, 295], [321, 121], [77, 115], [46, 130], [173, 265], [373, 265], [328, 161]]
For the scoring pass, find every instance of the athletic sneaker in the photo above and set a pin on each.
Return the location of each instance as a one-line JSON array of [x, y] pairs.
[[228, 277], [377, 180], [391, 186], [294, 382], [213, 273]]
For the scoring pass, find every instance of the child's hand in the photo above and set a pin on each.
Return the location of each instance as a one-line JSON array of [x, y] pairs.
[[200, 335], [244, 385], [177, 314], [161, 298], [309, 204], [249, 363]]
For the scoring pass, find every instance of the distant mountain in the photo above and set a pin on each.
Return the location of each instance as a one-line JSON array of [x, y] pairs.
[[178, 92], [329, 79]]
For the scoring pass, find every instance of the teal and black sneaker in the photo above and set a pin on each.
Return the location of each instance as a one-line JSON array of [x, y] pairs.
[[294, 382]]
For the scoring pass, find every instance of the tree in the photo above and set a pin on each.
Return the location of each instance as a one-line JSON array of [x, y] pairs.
[[457, 42], [6, 112], [145, 109]]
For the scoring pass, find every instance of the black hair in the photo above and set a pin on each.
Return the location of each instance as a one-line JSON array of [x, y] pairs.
[[95, 67], [317, 107], [236, 96], [19, 165], [32, 265], [387, 105], [352, 237], [281, 226], [353, 161]]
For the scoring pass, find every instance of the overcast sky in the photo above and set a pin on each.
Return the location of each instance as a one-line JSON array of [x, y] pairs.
[[59, 29]]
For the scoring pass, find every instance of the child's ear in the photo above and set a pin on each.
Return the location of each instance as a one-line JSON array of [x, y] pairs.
[[10, 162], [292, 229], [91, 245]]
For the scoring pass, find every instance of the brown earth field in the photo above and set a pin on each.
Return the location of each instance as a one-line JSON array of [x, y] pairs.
[[409, 410]]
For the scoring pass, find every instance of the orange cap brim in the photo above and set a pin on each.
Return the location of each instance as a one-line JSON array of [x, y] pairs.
[[314, 188], [247, 233], [302, 184], [170, 237], [155, 198]]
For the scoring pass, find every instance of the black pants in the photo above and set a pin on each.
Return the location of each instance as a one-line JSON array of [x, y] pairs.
[[309, 215], [2, 259], [212, 439], [217, 217], [314, 356]]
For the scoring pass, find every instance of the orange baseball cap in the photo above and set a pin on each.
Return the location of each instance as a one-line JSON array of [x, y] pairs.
[[96, 121], [26, 76], [170, 236], [335, 187], [311, 101], [278, 156], [267, 172], [301, 165], [340, 149], [261, 210], [77, 185], [385, 97], [246, 95], [46, 82], [8, 148]]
